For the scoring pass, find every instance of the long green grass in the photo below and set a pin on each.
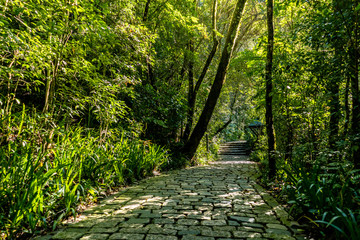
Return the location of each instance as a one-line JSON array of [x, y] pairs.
[[329, 196], [46, 172]]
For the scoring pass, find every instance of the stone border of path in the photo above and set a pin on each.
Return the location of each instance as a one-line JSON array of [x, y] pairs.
[[216, 202]]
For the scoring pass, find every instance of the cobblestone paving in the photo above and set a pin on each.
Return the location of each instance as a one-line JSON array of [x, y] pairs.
[[219, 201]]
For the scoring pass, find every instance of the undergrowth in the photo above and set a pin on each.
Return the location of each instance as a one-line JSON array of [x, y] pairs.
[[323, 192], [47, 170], [328, 196]]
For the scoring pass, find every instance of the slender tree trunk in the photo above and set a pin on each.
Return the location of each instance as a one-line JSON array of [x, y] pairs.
[[289, 143], [214, 18], [223, 127], [206, 66], [334, 105], [191, 94], [47, 91], [312, 132], [182, 71], [201, 126], [53, 72], [150, 73], [347, 107], [232, 104], [334, 88], [354, 79], [146, 11], [290, 132], [244, 31], [269, 88], [50, 87]]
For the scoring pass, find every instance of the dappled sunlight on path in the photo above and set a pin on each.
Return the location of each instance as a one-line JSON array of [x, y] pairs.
[[219, 201]]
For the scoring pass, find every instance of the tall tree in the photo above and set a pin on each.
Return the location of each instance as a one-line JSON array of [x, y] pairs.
[[191, 93], [269, 87], [354, 79], [193, 90], [202, 124], [334, 81]]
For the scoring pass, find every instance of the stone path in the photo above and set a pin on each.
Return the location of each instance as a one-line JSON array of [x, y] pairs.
[[219, 201]]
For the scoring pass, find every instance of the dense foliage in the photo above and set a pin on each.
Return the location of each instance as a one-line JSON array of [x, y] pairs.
[[315, 103], [94, 92]]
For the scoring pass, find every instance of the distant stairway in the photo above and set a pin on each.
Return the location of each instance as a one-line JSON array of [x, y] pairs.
[[234, 148]]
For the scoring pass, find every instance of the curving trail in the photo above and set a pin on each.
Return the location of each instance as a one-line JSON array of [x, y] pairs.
[[219, 201]]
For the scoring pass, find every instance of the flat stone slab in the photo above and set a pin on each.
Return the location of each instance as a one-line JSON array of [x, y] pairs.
[[219, 201]]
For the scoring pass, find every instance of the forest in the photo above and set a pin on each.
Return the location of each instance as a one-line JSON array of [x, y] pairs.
[[98, 94]]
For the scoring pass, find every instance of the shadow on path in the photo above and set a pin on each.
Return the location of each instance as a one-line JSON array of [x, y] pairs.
[[219, 201]]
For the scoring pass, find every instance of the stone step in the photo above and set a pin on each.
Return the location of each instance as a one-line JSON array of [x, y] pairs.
[[242, 144], [234, 151], [232, 154], [242, 154], [234, 145], [234, 148]]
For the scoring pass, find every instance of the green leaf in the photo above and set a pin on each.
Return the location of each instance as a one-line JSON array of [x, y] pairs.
[[357, 8]]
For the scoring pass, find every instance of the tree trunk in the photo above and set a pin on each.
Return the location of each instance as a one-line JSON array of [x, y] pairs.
[[289, 132], [347, 107], [355, 109], [214, 18], [232, 104], [269, 87], [223, 127], [206, 66], [191, 94], [53, 72], [354, 79], [48, 92], [182, 72], [334, 105], [146, 11], [150, 74], [333, 87], [201, 126]]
